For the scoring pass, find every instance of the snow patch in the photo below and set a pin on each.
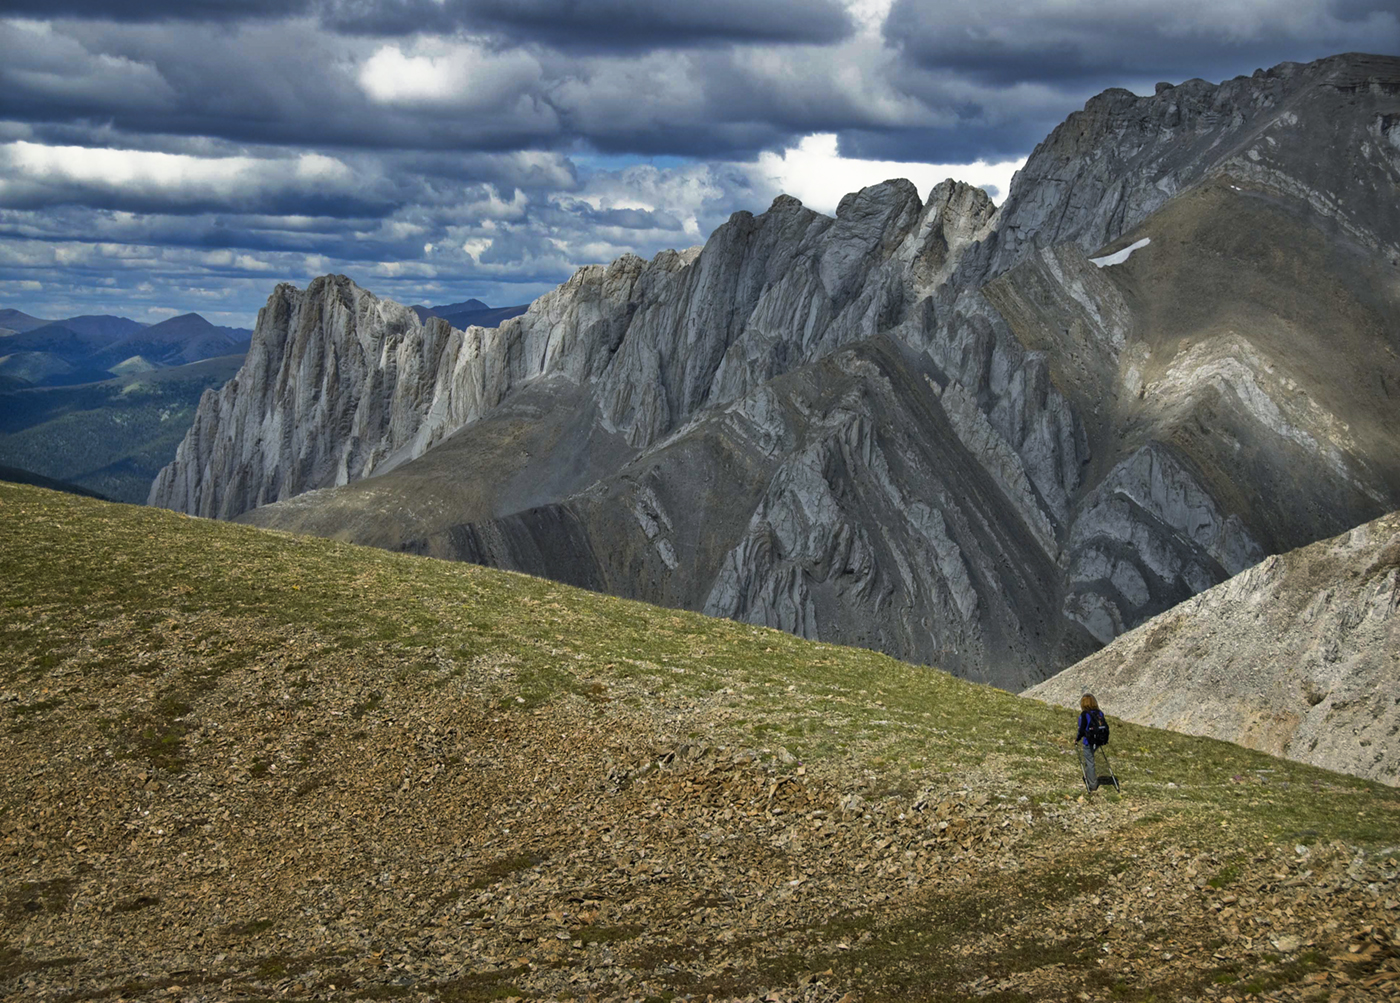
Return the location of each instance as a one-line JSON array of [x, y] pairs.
[[1118, 257]]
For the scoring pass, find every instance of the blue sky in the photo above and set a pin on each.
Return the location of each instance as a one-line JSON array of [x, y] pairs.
[[183, 155]]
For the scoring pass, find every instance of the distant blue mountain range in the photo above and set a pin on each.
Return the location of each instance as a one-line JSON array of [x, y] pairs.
[[87, 349], [469, 312]]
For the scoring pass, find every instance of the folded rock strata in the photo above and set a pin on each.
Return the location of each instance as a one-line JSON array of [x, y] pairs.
[[932, 427]]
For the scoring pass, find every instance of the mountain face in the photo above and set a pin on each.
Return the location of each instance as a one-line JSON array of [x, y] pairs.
[[17, 322], [990, 438], [1294, 657], [61, 351], [75, 337], [177, 341]]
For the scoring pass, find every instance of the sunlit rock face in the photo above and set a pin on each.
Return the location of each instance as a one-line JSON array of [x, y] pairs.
[[1294, 657], [934, 427]]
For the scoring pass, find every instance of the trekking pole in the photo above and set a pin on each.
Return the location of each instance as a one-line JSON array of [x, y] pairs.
[[1111, 775]]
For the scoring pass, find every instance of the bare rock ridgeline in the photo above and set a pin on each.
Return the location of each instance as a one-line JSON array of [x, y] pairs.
[[363, 383], [1324, 132], [935, 428], [1298, 656]]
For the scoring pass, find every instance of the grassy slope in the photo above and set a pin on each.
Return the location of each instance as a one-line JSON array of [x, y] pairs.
[[18, 476], [110, 437], [127, 636]]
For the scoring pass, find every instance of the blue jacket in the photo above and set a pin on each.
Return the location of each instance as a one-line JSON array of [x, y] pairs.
[[1084, 721]]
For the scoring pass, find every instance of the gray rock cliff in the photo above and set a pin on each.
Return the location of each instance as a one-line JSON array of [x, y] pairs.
[[934, 427]]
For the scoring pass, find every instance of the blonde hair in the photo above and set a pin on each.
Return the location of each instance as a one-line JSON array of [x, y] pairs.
[[1087, 702]]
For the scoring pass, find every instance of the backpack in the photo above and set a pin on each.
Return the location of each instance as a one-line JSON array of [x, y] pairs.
[[1097, 730]]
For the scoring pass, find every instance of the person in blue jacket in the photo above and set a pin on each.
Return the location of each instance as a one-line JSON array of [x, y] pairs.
[[1089, 713]]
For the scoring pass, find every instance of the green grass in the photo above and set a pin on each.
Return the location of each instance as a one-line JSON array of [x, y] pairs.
[[1226, 877], [99, 586], [97, 593]]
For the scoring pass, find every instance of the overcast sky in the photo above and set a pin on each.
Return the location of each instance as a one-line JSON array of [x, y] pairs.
[[172, 155]]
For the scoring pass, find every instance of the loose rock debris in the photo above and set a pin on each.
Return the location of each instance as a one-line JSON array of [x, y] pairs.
[[292, 835], [213, 787]]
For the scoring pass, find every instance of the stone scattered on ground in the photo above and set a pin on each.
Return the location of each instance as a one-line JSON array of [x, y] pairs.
[[333, 834]]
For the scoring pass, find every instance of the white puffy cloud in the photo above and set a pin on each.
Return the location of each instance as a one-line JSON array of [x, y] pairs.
[[816, 173], [493, 207], [36, 172], [463, 75], [475, 247], [697, 195]]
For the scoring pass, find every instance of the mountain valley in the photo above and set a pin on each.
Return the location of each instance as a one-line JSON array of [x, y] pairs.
[[715, 627], [91, 349], [111, 436]]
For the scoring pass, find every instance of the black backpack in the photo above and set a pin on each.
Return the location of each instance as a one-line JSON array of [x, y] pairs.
[[1097, 730]]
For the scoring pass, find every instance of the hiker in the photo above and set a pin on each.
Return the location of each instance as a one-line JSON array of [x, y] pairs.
[[1093, 734]]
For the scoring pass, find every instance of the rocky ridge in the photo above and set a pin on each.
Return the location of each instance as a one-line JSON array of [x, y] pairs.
[[1296, 657], [1131, 462]]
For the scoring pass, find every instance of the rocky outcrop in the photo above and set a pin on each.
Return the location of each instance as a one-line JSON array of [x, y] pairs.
[[1235, 378], [1316, 132], [884, 527], [323, 392], [934, 427], [1296, 657], [339, 384], [359, 385]]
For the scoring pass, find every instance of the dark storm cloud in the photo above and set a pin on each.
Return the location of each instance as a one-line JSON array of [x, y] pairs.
[[344, 239], [309, 199], [1094, 45], [149, 11], [599, 25], [295, 85], [438, 150], [962, 142], [603, 25], [1004, 74], [289, 84], [302, 234], [542, 171], [242, 84]]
